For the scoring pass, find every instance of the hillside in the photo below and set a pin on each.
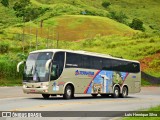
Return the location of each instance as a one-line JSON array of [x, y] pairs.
[[146, 10], [93, 25], [79, 27]]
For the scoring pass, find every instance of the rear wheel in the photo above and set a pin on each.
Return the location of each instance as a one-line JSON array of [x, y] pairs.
[[45, 96], [124, 92], [94, 95], [116, 92], [68, 93]]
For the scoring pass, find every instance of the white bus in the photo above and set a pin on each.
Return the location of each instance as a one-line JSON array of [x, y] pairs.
[[54, 72]]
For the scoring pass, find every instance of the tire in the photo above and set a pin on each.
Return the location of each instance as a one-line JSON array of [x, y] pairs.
[[124, 92], [45, 96], [94, 95], [68, 93], [116, 93]]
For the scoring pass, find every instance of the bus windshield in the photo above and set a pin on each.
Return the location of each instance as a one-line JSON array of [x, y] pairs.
[[34, 70]]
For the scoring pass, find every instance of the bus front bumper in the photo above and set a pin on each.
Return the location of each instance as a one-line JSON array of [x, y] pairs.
[[35, 90]]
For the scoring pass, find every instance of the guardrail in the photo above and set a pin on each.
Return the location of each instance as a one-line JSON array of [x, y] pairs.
[[149, 78]]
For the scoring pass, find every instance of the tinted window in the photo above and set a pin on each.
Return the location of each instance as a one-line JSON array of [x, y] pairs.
[[57, 65], [96, 63], [73, 60], [119, 65], [86, 60], [91, 62], [133, 67], [107, 65], [83, 61]]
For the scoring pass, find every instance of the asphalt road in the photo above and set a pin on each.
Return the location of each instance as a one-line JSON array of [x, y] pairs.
[[13, 99]]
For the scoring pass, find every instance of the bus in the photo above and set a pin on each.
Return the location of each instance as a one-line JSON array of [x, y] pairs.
[[53, 72]]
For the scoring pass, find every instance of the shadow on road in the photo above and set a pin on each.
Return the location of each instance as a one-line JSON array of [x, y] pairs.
[[81, 98]]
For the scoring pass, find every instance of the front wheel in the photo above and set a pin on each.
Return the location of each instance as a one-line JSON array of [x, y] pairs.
[[45, 96], [116, 92], [68, 93]]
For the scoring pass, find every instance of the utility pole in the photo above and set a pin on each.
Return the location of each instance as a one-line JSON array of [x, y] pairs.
[[30, 36], [23, 34], [36, 38], [48, 39], [52, 37], [57, 39]]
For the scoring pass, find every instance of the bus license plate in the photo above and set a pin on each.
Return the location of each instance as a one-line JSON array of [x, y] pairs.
[[32, 91]]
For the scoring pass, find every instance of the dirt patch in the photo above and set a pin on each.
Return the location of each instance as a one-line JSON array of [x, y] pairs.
[[147, 60]]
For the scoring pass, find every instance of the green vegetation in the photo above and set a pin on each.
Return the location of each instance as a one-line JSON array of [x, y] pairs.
[[145, 83], [5, 3], [4, 47], [137, 24], [103, 26], [157, 108], [106, 4], [154, 108], [145, 10]]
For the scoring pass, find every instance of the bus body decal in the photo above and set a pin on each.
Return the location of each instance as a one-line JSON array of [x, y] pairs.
[[104, 80], [91, 81], [125, 78]]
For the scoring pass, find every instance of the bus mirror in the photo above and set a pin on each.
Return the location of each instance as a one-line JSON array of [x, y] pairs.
[[18, 65], [47, 64]]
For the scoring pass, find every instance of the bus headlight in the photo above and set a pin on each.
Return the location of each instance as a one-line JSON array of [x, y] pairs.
[[45, 90]]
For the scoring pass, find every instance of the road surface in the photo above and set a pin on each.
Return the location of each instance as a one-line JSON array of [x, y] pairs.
[[13, 99]]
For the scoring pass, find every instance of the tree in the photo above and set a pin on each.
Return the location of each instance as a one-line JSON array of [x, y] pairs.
[[118, 16], [25, 9], [137, 24], [20, 7], [5, 2], [106, 4]]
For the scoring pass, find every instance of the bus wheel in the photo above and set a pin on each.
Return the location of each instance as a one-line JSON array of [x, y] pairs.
[[45, 96], [116, 92], [68, 93], [124, 92], [94, 95]]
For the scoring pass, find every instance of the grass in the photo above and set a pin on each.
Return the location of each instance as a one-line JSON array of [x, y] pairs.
[[74, 28], [145, 83], [150, 110], [154, 108], [89, 26], [11, 82]]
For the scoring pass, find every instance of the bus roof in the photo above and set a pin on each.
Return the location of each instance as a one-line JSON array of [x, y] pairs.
[[84, 53]]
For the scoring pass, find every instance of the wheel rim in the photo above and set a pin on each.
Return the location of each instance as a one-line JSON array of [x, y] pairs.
[[116, 92], [69, 92], [124, 92]]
